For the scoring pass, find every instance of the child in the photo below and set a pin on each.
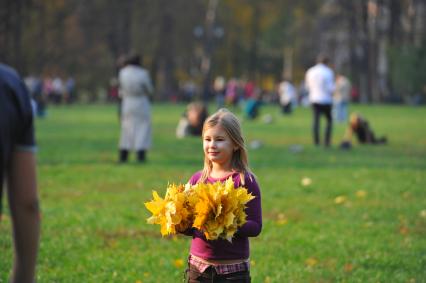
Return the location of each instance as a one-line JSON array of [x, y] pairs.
[[224, 156], [192, 121]]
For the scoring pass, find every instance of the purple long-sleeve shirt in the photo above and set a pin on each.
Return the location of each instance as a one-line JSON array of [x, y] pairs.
[[239, 247]]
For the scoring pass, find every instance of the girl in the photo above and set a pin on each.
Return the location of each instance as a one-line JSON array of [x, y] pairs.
[[224, 156]]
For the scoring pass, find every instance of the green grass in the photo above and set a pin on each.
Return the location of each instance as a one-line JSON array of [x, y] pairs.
[[93, 217]]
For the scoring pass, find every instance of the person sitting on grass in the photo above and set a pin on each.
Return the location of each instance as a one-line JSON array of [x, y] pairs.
[[365, 135], [191, 123], [252, 107]]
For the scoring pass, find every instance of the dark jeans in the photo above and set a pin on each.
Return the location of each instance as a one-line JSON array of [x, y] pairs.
[[192, 275], [322, 109], [286, 109]]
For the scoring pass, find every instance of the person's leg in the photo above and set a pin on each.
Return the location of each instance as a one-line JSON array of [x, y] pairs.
[[382, 140], [316, 122], [344, 111], [141, 155], [335, 111], [287, 108], [373, 139], [123, 155], [339, 112], [327, 112]]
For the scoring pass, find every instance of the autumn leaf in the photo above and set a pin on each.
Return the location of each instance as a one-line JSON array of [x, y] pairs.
[[178, 263], [311, 262], [361, 194], [348, 267], [172, 213], [340, 200], [306, 181]]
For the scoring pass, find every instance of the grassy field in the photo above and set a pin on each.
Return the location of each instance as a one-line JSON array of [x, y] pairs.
[[362, 218]]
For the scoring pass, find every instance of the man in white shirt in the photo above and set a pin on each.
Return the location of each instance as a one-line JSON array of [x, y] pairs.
[[320, 85]]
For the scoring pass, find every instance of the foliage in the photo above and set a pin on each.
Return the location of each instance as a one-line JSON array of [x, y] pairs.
[[84, 39], [328, 215], [409, 70], [215, 209], [173, 213]]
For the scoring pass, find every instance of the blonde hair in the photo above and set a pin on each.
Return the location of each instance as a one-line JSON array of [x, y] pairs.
[[231, 125]]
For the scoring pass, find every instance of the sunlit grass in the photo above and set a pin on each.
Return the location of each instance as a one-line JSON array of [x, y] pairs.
[[94, 221]]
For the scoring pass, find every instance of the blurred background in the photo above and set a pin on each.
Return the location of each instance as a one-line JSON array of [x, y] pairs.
[[378, 44]]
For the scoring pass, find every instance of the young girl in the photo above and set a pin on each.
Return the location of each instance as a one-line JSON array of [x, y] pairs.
[[224, 156]]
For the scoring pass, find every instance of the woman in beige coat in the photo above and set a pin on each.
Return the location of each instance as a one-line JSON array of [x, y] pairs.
[[135, 89]]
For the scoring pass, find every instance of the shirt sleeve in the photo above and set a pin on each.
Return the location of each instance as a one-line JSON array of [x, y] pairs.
[[25, 140], [330, 84], [253, 226], [148, 83]]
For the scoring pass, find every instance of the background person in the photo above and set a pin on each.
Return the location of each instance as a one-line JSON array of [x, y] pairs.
[[287, 96], [252, 106], [320, 85], [135, 88], [341, 98], [191, 124], [361, 128], [18, 169], [219, 91]]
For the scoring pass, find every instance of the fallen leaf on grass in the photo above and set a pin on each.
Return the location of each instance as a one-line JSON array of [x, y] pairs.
[[311, 262], [282, 219], [306, 181], [348, 267], [340, 200], [178, 263], [361, 194], [403, 230], [422, 213]]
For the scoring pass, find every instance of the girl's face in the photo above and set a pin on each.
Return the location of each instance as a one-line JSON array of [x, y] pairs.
[[218, 146]]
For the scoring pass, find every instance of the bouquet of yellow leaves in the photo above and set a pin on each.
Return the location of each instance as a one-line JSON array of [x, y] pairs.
[[216, 209], [173, 213]]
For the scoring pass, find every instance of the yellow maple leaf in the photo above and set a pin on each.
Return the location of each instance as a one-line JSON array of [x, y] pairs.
[[171, 213], [220, 209]]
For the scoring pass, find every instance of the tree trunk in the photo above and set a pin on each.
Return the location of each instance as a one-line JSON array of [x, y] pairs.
[[253, 53]]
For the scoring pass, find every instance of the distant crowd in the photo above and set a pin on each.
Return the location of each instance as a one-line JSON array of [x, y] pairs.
[[46, 90]]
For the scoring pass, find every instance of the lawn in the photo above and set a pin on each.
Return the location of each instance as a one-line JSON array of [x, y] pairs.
[[362, 218]]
